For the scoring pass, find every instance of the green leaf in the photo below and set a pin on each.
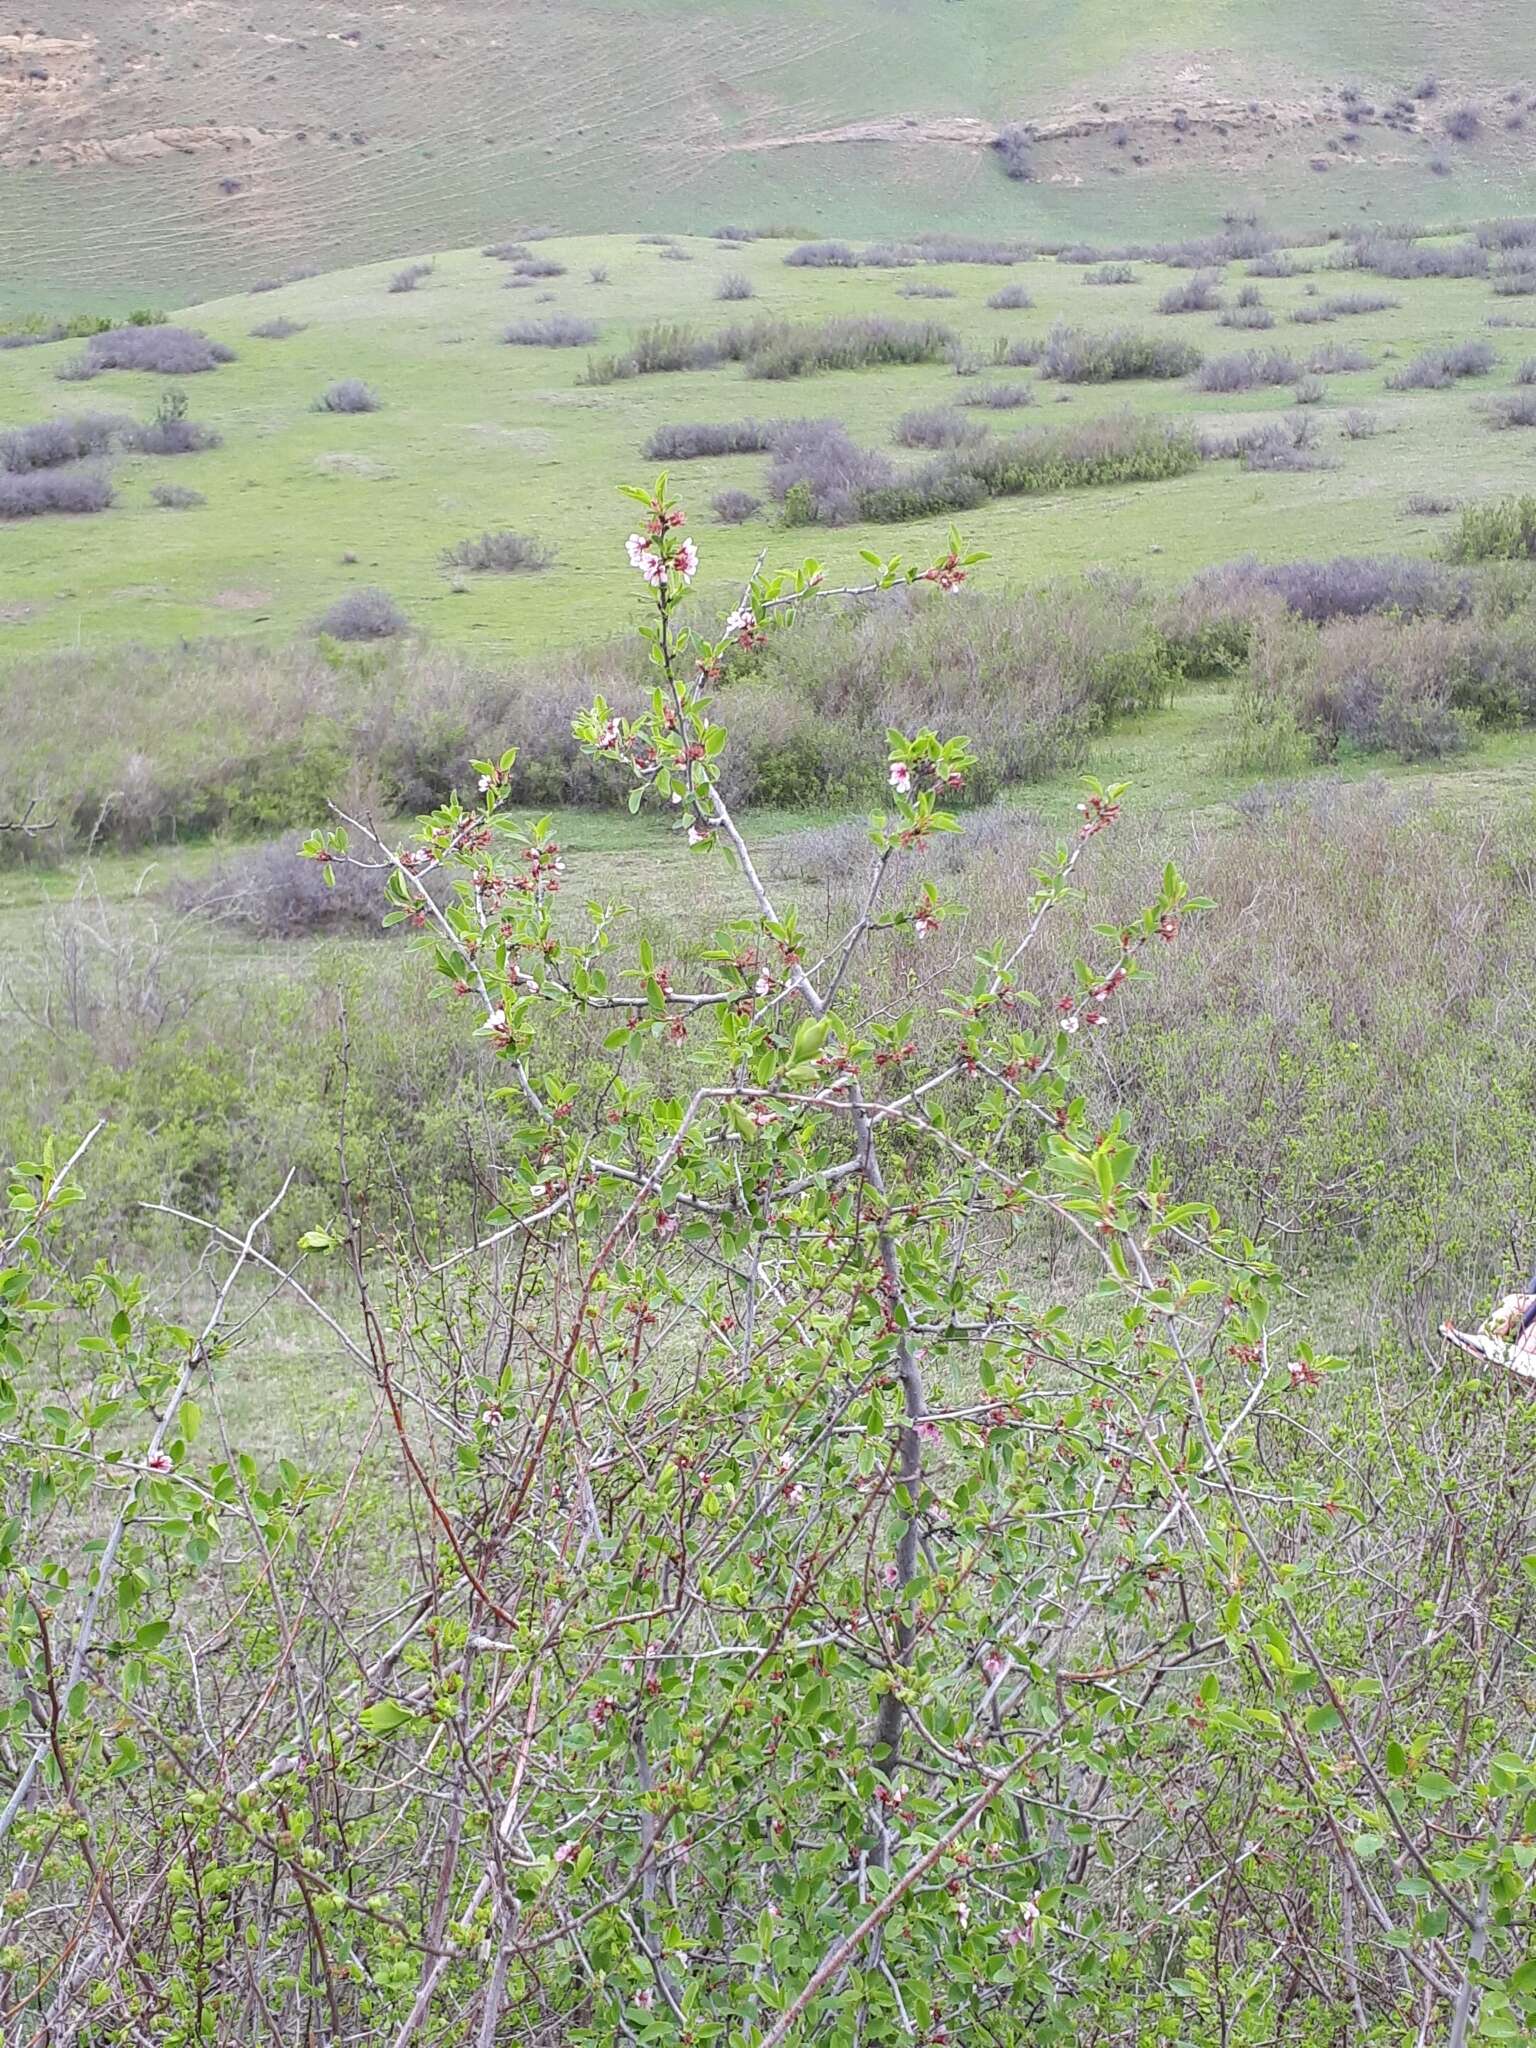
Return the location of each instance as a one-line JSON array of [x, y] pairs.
[[384, 1717]]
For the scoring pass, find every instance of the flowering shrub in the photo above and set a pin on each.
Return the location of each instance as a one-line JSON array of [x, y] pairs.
[[863, 1564]]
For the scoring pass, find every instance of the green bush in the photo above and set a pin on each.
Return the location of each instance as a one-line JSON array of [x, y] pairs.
[[1503, 531]]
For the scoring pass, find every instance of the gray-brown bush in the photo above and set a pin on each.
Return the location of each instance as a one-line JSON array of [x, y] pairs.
[[554, 330], [1437, 369], [162, 351], [348, 394], [367, 614], [50, 443], [71, 487], [1084, 356], [501, 553]]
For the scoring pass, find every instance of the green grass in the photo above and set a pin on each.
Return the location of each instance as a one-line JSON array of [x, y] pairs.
[[475, 434]]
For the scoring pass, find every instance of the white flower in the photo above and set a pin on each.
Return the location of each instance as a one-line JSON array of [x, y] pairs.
[[1069, 1024], [901, 778], [742, 620], [485, 783], [497, 1021], [763, 986], [697, 836], [609, 737], [686, 560], [645, 556]]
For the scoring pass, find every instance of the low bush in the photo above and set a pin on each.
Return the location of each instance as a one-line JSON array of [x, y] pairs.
[[271, 893], [1075, 355], [347, 395], [407, 279], [1021, 354], [1437, 369], [781, 350], [67, 488], [1000, 397], [819, 473], [51, 443], [367, 614], [1517, 233], [940, 426], [175, 497], [554, 330], [277, 330], [1335, 358], [729, 234], [1014, 145], [170, 432], [1116, 449], [1284, 445], [943, 245], [1343, 587], [1501, 531], [1010, 298], [1358, 425], [1526, 373], [922, 288], [1403, 256], [161, 351], [1110, 273], [1428, 504], [691, 439], [732, 507], [509, 252], [1464, 124], [735, 285], [538, 266], [1513, 408], [1309, 391], [1255, 319], [1249, 371], [822, 256], [1197, 294], [1514, 279], [503, 553]]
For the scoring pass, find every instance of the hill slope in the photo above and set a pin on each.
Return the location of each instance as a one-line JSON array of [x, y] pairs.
[[193, 150], [472, 434]]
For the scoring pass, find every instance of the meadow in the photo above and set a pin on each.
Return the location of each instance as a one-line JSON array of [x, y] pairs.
[[472, 434]]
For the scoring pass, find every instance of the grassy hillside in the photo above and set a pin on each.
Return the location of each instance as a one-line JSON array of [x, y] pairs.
[[474, 434], [193, 150]]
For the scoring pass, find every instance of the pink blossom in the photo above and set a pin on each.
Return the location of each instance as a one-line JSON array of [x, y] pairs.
[[610, 735], [645, 556], [686, 561], [889, 1576], [743, 621], [994, 1664], [158, 1461], [901, 778]]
